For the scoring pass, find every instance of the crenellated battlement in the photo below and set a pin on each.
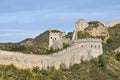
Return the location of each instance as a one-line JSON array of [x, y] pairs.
[[84, 40]]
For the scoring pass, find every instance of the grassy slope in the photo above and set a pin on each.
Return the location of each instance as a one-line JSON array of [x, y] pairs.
[[115, 36], [42, 39], [40, 45]]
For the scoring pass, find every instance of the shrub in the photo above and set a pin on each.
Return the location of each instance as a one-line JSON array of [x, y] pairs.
[[109, 40], [101, 61], [65, 45], [83, 35], [118, 56], [69, 35], [35, 69]]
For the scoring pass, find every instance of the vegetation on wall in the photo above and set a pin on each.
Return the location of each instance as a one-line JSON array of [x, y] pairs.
[[69, 35], [83, 35], [65, 45]]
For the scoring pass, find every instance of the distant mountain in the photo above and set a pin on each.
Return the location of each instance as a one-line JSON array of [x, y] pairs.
[[114, 40], [41, 39], [114, 23], [28, 41]]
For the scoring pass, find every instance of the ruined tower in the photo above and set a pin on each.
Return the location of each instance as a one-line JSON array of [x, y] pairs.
[[80, 25], [57, 38]]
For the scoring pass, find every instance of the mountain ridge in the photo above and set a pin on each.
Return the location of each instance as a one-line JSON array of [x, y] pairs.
[[96, 29]]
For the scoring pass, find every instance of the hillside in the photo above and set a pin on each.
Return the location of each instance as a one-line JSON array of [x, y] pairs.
[[97, 29], [110, 35], [42, 39], [105, 67], [37, 45], [94, 29], [114, 41], [114, 23], [26, 42]]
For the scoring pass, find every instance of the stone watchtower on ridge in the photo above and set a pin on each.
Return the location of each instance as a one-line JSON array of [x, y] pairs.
[[57, 38], [90, 46], [80, 25]]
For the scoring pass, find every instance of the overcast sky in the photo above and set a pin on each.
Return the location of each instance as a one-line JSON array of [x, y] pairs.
[[20, 19]]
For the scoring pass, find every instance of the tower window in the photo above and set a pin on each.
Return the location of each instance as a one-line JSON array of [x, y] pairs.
[[55, 38], [99, 46], [51, 37], [91, 46]]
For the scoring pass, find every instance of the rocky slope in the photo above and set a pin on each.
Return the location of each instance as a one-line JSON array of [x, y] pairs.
[[97, 29], [114, 41]]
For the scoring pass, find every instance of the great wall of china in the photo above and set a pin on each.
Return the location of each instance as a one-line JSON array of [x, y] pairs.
[[80, 49], [86, 49]]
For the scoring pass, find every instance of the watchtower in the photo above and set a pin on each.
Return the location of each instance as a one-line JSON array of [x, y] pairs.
[[80, 25]]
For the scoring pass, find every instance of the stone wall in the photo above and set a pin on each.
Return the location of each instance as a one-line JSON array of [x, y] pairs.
[[94, 44], [83, 49]]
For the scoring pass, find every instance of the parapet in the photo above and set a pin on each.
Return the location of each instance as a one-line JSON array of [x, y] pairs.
[[83, 40]]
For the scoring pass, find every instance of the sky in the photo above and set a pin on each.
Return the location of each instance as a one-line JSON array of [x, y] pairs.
[[20, 19]]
